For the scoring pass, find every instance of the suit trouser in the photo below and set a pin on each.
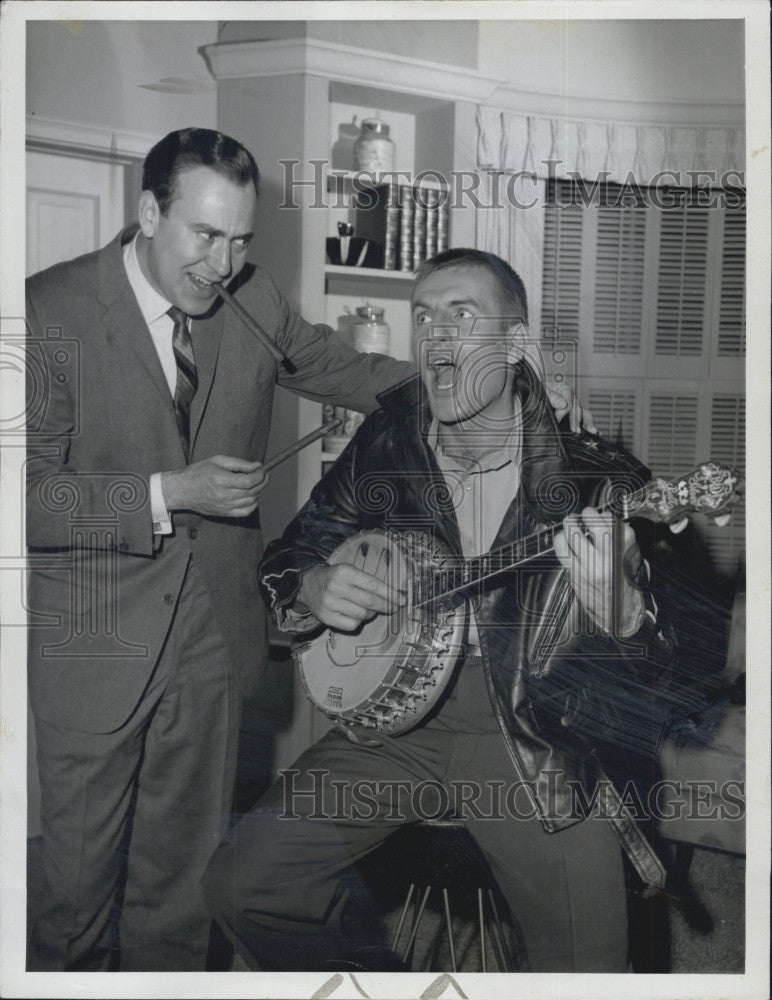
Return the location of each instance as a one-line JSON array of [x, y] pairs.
[[276, 885], [130, 818]]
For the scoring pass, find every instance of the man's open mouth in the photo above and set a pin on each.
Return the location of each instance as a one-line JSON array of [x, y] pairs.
[[444, 370], [201, 283]]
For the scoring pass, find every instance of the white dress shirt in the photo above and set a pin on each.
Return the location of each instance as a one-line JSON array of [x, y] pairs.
[[154, 308]]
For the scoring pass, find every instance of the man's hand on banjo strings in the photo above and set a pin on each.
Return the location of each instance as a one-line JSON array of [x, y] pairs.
[[342, 596], [585, 548]]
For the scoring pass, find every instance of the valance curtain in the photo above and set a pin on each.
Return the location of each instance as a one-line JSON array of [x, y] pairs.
[[513, 142], [512, 148]]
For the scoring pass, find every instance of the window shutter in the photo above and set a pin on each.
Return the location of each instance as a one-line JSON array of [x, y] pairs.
[[619, 280], [562, 270], [683, 254], [672, 434], [660, 296], [731, 322], [614, 415], [727, 446]]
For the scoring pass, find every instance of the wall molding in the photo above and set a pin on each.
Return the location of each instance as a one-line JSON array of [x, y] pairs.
[[90, 140], [367, 67]]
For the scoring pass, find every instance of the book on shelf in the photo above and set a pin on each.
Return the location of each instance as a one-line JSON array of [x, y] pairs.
[[432, 198], [419, 229], [406, 210], [408, 224], [442, 225]]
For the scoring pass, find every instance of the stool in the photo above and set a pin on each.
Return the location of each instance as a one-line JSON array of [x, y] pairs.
[[443, 855]]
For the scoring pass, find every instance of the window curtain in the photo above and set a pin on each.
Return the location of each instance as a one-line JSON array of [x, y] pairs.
[[518, 153]]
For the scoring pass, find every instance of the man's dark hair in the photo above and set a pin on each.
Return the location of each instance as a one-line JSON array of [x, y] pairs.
[[509, 281], [195, 147]]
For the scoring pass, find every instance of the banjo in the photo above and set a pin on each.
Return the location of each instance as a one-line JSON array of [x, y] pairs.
[[389, 674]]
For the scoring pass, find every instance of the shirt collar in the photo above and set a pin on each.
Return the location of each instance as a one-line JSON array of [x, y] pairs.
[[495, 459], [151, 303]]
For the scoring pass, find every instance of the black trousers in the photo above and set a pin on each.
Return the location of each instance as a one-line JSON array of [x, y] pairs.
[[277, 884]]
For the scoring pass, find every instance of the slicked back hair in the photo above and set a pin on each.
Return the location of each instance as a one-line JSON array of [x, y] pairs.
[[195, 147]]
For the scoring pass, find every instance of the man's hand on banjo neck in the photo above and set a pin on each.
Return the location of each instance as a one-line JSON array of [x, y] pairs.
[[342, 596]]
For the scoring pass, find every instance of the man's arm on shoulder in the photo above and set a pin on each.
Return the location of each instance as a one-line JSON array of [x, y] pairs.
[[328, 369]]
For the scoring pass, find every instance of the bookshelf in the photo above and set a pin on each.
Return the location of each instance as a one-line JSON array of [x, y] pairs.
[[297, 105]]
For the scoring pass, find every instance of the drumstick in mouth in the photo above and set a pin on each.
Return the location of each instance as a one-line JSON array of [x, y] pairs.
[[302, 443]]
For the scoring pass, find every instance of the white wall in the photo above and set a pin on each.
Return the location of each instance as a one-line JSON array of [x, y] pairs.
[[658, 60], [97, 72]]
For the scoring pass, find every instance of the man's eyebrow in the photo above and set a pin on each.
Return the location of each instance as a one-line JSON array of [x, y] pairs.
[[454, 302], [204, 228]]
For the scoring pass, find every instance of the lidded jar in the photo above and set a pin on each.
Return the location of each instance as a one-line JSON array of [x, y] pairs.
[[373, 149], [370, 332]]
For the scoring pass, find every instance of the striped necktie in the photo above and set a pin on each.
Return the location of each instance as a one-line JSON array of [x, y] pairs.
[[187, 377]]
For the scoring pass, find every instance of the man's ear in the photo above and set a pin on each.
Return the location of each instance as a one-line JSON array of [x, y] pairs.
[[148, 214], [523, 346]]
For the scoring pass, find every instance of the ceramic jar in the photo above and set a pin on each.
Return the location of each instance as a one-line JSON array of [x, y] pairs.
[[373, 149], [370, 332]]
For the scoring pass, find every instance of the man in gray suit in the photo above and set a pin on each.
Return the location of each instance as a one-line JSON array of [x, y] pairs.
[[149, 410]]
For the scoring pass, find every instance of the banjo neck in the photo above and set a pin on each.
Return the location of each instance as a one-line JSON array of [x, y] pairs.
[[708, 489], [468, 572]]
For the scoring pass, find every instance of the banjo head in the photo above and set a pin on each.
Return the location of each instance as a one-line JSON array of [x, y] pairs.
[[388, 674]]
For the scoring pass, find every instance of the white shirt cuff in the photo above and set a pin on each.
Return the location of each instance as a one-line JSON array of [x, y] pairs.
[[162, 520]]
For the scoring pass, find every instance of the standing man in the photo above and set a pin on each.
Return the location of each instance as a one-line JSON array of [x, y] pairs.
[[149, 411], [561, 658]]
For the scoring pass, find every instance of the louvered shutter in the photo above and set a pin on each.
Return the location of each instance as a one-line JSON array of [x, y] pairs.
[[681, 284], [562, 270], [655, 298], [672, 433], [731, 321], [614, 413], [727, 446], [619, 270]]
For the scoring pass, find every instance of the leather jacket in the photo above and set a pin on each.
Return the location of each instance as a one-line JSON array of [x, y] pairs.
[[565, 695]]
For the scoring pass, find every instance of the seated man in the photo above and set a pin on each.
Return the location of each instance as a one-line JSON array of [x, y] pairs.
[[470, 451]]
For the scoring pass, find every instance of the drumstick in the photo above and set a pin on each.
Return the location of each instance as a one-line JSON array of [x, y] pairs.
[[261, 335], [308, 439]]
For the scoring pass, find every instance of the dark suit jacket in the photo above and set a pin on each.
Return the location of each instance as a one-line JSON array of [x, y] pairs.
[[103, 587]]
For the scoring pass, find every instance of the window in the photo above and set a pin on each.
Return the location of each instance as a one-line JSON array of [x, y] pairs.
[[652, 289]]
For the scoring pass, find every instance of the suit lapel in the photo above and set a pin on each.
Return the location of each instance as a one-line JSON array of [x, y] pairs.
[[124, 321], [123, 318]]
